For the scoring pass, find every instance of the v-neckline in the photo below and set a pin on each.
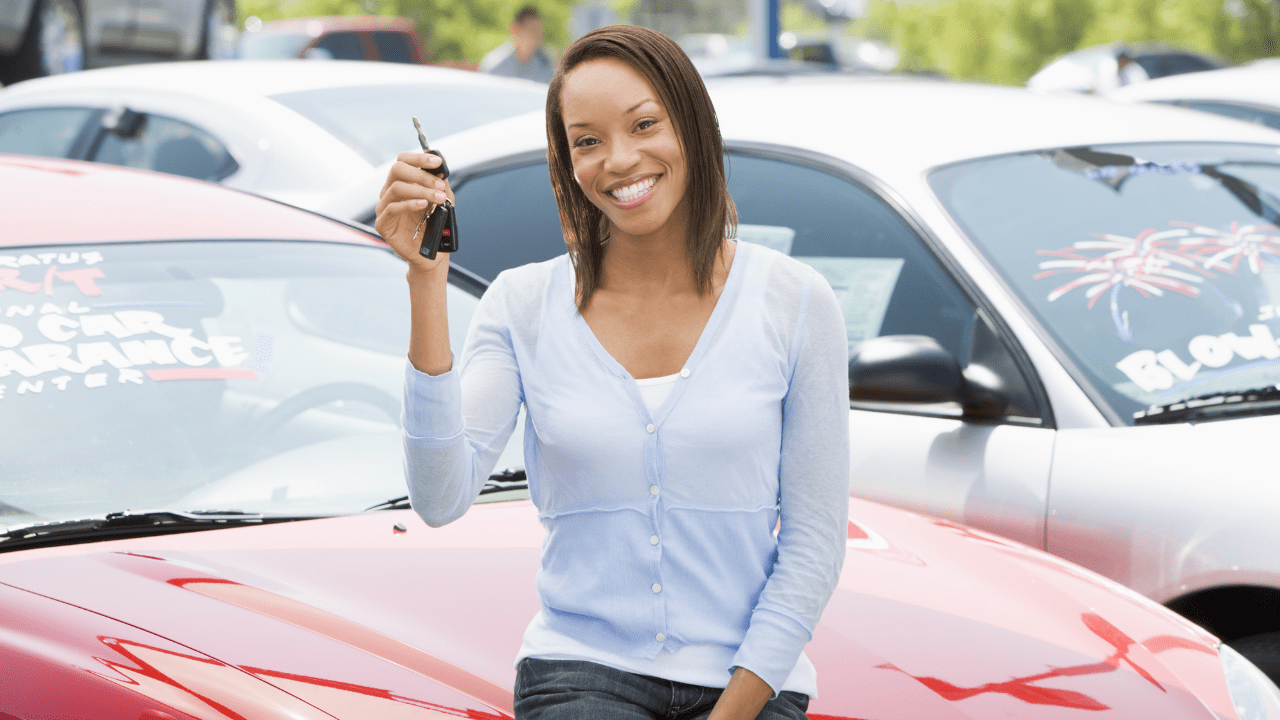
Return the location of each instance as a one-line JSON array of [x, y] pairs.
[[727, 294]]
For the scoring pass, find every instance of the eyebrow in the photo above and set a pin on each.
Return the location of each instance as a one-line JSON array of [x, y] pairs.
[[631, 109]]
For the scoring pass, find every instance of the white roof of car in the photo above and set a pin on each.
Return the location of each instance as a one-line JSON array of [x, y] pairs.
[[232, 78], [1256, 84], [891, 125], [895, 128], [888, 125]]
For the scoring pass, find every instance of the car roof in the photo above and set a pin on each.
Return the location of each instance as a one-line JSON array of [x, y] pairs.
[[57, 202], [892, 125], [899, 125], [241, 78], [1256, 84]]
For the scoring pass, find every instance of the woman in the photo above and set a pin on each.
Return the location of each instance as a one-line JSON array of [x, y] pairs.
[[683, 390]]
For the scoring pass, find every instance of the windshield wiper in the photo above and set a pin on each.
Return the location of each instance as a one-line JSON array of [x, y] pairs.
[[509, 479], [132, 524], [1261, 401]]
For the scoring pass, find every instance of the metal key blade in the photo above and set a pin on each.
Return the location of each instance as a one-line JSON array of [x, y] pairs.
[[422, 139]]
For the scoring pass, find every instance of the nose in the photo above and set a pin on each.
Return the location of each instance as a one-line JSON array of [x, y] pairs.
[[623, 155]]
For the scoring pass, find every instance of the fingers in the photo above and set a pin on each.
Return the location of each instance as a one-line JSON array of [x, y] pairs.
[[411, 167]]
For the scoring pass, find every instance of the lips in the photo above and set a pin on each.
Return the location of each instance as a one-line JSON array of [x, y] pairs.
[[635, 192]]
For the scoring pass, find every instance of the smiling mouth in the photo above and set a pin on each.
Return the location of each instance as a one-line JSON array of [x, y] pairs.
[[636, 191]]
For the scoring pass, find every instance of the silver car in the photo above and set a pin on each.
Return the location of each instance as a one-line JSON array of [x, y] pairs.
[[49, 37], [1062, 312]]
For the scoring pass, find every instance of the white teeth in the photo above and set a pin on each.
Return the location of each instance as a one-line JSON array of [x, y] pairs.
[[633, 191]]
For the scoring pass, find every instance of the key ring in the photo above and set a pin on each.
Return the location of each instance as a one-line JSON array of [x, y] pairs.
[[425, 216]]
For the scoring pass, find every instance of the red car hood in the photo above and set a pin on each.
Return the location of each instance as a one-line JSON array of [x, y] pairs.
[[349, 618]]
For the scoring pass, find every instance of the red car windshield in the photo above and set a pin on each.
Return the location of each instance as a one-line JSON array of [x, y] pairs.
[[256, 376]]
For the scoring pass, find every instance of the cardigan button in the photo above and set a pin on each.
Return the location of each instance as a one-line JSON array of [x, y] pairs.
[[684, 372], [662, 638], [651, 427]]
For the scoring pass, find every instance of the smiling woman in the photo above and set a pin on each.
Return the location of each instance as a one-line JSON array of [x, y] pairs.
[[610, 75], [685, 391]]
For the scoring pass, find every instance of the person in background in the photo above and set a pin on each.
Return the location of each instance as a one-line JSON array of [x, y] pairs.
[[523, 56], [1124, 71], [1127, 71]]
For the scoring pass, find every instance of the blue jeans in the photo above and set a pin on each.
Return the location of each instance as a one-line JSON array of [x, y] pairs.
[[579, 690]]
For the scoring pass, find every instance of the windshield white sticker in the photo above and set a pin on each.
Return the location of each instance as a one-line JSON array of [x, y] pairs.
[[863, 287], [80, 343], [1156, 371], [775, 237]]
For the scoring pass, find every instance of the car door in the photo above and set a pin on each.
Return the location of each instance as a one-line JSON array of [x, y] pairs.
[[991, 474]]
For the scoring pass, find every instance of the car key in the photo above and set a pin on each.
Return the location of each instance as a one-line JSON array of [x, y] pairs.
[[441, 233]]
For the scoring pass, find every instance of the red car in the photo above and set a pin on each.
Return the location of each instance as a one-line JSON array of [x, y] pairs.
[[357, 37], [202, 511]]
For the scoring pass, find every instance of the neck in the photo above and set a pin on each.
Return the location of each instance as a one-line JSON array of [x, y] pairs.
[[657, 261]]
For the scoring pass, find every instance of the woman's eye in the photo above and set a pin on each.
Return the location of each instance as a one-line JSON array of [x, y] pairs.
[[646, 124], [586, 141]]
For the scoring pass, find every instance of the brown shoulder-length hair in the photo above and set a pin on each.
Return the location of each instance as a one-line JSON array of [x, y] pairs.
[[712, 216]]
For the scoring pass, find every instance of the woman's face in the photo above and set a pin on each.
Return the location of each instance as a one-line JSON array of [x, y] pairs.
[[625, 148]]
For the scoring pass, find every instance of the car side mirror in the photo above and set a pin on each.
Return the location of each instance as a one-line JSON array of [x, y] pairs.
[[916, 369]]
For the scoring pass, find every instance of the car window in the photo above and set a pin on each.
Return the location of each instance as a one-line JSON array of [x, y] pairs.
[[1156, 267], [392, 46], [375, 120], [526, 230], [1270, 118], [169, 146], [887, 280], [1163, 64], [258, 376], [47, 132], [342, 45]]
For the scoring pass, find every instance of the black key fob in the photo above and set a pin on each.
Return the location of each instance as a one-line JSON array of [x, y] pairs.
[[441, 172], [441, 234]]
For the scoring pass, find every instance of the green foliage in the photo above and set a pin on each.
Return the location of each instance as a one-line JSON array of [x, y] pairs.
[[453, 29], [1007, 41]]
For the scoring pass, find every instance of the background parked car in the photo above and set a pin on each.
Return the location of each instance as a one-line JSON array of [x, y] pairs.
[[294, 131], [355, 37], [48, 37], [1249, 92], [234, 366], [1038, 241], [1084, 70]]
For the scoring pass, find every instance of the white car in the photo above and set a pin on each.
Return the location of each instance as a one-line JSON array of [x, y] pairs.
[[1035, 289], [1249, 92], [292, 130], [1095, 69]]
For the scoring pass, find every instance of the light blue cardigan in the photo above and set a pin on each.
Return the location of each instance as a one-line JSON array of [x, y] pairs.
[[757, 423]]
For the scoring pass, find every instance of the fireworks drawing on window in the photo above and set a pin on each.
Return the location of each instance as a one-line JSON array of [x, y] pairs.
[[1152, 264], [1223, 250]]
